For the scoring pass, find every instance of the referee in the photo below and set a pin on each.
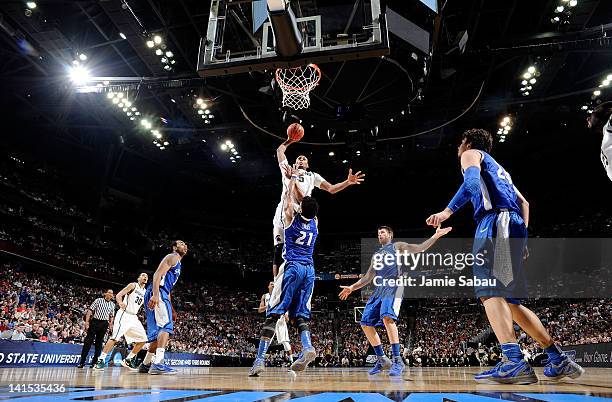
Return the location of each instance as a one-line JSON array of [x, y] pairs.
[[102, 309]]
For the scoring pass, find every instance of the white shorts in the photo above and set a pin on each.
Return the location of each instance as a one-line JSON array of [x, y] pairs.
[[278, 232], [281, 331], [129, 326]]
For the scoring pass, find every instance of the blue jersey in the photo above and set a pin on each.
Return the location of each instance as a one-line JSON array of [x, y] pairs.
[[300, 238], [169, 279], [496, 189], [385, 268]]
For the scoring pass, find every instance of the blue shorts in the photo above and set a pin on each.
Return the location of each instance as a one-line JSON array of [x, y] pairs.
[[382, 304], [502, 259], [160, 319], [292, 290]]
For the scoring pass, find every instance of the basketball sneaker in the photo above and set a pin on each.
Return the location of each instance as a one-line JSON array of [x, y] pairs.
[[129, 363], [564, 367], [157, 369], [397, 368], [259, 365], [382, 363], [484, 376], [304, 358], [509, 372], [99, 365], [144, 368]]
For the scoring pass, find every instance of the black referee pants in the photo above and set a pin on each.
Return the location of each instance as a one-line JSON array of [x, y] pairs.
[[95, 334]]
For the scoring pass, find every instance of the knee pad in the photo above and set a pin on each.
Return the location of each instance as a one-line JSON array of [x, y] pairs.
[[278, 254], [301, 325], [268, 328]]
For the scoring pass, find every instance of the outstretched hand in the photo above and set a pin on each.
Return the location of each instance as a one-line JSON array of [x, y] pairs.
[[437, 219], [440, 231], [345, 293], [356, 178]]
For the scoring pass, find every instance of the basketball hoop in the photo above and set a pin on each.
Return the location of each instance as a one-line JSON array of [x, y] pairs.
[[296, 84]]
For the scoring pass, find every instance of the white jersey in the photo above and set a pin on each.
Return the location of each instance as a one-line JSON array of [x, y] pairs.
[[606, 148], [134, 299], [267, 298], [306, 183]]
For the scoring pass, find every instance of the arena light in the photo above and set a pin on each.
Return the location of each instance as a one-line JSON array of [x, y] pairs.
[[159, 52], [122, 35], [82, 57], [157, 39], [169, 54], [332, 153], [110, 95], [166, 143], [79, 75], [559, 9], [224, 147], [597, 92], [31, 5], [150, 43], [115, 100], [573, 3]]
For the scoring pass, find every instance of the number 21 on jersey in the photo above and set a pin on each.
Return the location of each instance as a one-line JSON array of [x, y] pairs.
[[300, 240]]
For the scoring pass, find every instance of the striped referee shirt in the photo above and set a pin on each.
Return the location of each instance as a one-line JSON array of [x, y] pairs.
[[102, 309]]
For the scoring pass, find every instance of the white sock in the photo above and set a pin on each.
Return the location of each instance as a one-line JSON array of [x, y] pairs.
[[159, 356], [131, 355], [148, 358], [103, 356]]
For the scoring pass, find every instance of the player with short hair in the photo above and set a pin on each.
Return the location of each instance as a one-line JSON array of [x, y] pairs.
[[160, 316], [126, 323], [502, 216], [294, 283], [306, 182], [601, 120], [383, 307], [281, 331]]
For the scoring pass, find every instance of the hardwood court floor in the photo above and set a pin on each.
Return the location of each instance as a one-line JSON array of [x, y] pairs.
[[233, 384]]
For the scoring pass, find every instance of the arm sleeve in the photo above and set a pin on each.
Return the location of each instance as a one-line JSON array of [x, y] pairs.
[[94, 305], [469, 188]]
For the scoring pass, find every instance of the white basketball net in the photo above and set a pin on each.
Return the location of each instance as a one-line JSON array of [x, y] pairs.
[[296, 84]]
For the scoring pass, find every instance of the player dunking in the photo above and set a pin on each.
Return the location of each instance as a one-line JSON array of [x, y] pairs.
[[383, 307], [126, 323], [502, 215], [306, 182], [295, 280], [160, 318], [281, 331], [601, 120]]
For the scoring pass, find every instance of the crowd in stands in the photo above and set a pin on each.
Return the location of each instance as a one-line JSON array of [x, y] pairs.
[[39, 223]]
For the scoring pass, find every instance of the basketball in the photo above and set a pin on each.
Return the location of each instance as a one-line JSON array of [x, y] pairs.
[[295, 132]]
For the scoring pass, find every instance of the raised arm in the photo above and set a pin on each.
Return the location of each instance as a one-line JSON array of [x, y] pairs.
[[419, 248], [122, 294], [524, 206], [470, 164], [164, 266], [262, 304], [363, 281], [351, 179], [291, 192], [280, 151]]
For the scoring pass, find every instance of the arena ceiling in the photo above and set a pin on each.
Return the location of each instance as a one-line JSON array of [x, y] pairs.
[[464, 87]]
